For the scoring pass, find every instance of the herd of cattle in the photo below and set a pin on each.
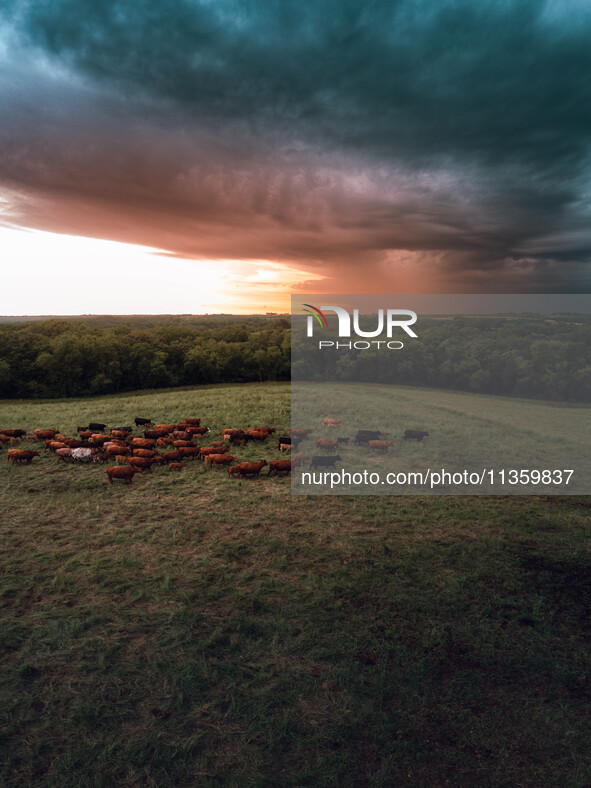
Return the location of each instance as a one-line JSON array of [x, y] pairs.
[[173, 444]]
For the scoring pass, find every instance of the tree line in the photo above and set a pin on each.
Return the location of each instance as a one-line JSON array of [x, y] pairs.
[[74, 358], [531, 357]]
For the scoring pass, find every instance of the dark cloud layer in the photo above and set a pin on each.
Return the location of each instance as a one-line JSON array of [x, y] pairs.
[[346, 136]]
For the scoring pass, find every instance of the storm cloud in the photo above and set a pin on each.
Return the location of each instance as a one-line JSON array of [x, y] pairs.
[[370, 142]]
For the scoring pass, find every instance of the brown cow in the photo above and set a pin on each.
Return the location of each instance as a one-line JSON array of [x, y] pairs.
[[43, 435], [198, 430], [219, 459], [53, 445], [141, 463], [182, 435], [100, 456], [324, 444], [114, 472], [380, 445], [14, 441], [149, 453], [142, 443], [193, 422], [98, 438], [176, 466], [268, 430], [120, 459], [64, 454], [12, 433], [4, 438], [298, 459], [155, 434], [278, 466], [331, 423], [84, 434], [255, 435], [112, 451], [233, 470], [205, 450], [164, 441], [179, 443], [119, 434], [18, 455], [248, 468], [167, 427], [189, 451], [171, 456], [230, 433]]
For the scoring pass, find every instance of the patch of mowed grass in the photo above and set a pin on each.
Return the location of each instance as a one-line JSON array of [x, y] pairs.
[[195, 630]]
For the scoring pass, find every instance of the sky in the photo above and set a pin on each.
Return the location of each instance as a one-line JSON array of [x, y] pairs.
[[218, 155]]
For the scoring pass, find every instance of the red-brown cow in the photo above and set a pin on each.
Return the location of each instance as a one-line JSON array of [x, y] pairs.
[[193, 422], [114, 472], [53, 445], [142, 443], [219, 459], [112, 451], [155, 434], [179, 443], [255, 435], [149, 453], [324, 444], [278, 466], [176, 466], [205, 450], [12, 433], [43, 435], [380, 445], [248, 468], [189, 451], [141, 463], [170, 456], [20, 455], [182, 435]]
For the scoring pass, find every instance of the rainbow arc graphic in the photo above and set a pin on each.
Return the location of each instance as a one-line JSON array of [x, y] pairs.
[[316, 313]]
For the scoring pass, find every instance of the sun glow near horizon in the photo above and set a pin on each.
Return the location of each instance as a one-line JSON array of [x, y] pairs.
[[49, 273]]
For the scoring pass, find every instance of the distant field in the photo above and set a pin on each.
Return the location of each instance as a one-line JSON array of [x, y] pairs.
[[192, 630], [466, 431]]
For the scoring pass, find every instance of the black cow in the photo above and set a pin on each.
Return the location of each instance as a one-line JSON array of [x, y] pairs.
[[325, 462], [283, 440], [363, 436], [123, 429], [96, 427], [415, 435], [141, 422]]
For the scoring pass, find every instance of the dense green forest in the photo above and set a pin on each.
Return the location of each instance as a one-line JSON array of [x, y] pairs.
[[78, 357], [530, 356], [546, 357]]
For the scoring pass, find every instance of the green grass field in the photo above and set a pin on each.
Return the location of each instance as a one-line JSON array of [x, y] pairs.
[[194, 630], [466, 432]]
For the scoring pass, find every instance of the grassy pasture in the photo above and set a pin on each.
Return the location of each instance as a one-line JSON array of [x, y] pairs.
[[466, 432], [195, 630]]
